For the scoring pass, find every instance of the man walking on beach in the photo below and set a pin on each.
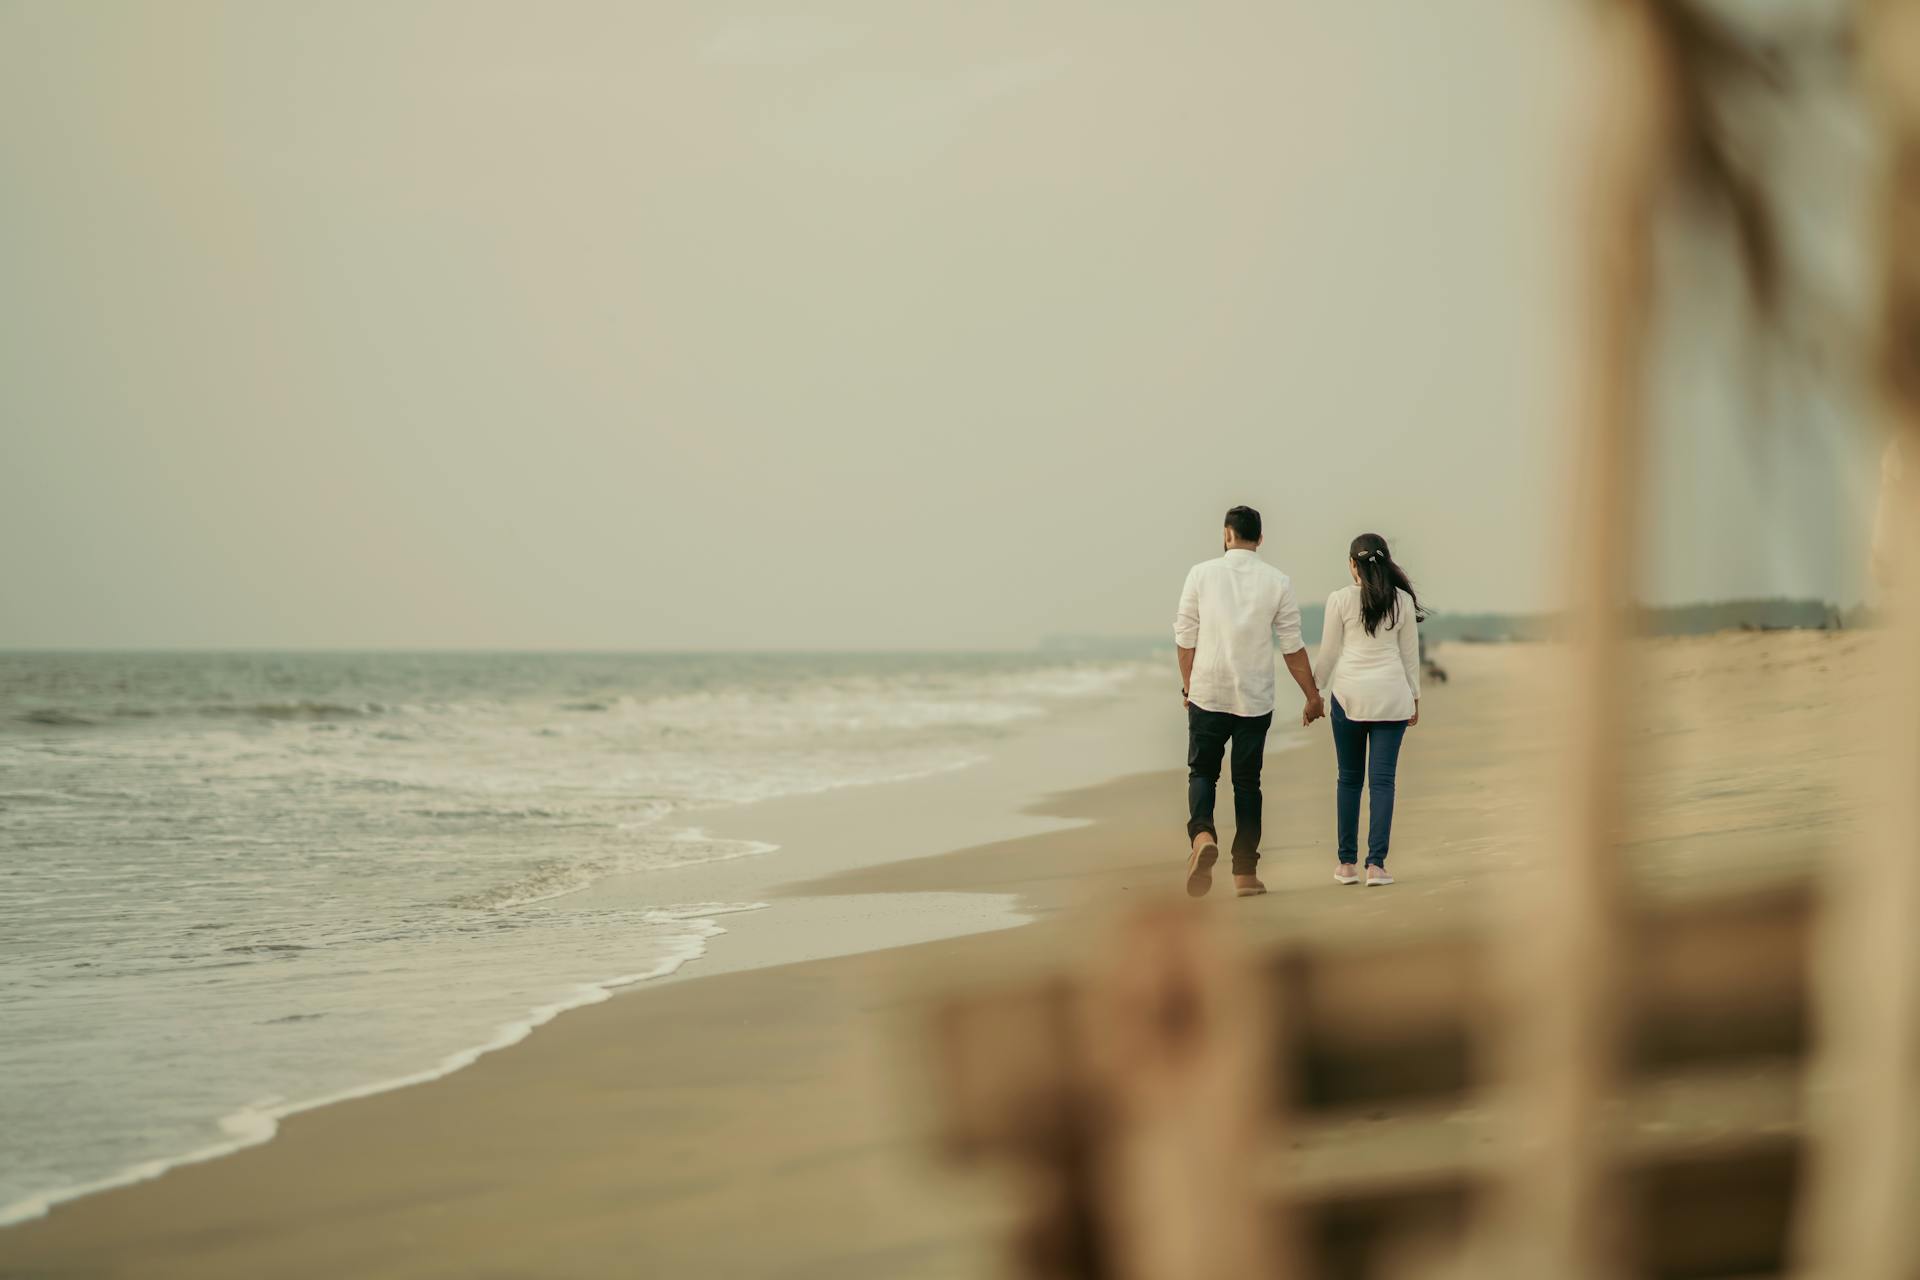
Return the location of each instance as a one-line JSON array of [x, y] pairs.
[[1233, 610]]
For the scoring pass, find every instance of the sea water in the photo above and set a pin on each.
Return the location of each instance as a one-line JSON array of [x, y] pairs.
[[236, 885]]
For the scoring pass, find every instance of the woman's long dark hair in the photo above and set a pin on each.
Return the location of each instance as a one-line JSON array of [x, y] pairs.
[[1380, 580]]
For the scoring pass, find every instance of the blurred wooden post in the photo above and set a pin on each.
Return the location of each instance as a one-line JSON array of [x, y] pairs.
[[1568, 941], [1864, 1217], [1136, 1102], [1180, 1046]]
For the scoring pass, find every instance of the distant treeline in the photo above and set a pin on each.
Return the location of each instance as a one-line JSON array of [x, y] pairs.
[[1659, 620], [1662, 620]]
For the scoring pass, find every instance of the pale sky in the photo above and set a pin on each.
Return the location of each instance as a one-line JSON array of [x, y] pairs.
[[720, 324]]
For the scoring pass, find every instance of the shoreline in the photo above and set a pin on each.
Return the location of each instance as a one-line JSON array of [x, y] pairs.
[[261, 1211], [254, 1125], [843, 836]]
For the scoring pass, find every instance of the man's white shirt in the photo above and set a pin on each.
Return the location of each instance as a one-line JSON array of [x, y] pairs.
[[1233, 611]]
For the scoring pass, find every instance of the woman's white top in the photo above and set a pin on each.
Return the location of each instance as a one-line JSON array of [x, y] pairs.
[[1375, 677]]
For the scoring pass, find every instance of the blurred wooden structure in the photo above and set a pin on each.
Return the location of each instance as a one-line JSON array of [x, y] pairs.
[[1280, 1115], [1863, 1222], [1605, 1088]]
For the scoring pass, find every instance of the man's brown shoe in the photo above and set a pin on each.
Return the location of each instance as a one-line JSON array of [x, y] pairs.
[[1200, 868], [1248, 887]]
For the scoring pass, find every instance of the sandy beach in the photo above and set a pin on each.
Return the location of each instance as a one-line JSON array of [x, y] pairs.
[[758, 1114]]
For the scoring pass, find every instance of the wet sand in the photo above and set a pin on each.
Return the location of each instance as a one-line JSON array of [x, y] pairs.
[[766, 1122]]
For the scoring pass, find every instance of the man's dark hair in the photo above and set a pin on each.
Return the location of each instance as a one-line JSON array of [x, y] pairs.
[[1245, 523]]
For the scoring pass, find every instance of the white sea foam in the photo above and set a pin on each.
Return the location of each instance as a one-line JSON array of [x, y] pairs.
[[252, 1125]]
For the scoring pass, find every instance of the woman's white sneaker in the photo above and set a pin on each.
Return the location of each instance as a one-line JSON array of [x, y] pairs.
[[1378, 875], [1346, 873]]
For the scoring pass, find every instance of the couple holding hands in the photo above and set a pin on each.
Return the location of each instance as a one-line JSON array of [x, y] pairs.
[[1234, 611]]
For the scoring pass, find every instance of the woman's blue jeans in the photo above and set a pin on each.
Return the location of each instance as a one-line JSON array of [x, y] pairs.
[[1368, 749]]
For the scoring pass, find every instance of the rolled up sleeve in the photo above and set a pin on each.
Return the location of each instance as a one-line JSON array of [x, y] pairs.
[[1286, 622], [1186, 620]]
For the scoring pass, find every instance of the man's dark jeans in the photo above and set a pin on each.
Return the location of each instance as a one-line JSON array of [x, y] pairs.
[[1208, 733]]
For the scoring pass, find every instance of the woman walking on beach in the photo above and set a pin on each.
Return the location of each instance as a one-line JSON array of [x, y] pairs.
[[1370, 662]]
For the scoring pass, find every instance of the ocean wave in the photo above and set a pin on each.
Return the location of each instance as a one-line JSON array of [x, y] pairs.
[[54, 716], [836, 704], [379, 785], [865, 706], [38, 795], [479, 812], [543, 883], [293, 709], [560, 878]]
